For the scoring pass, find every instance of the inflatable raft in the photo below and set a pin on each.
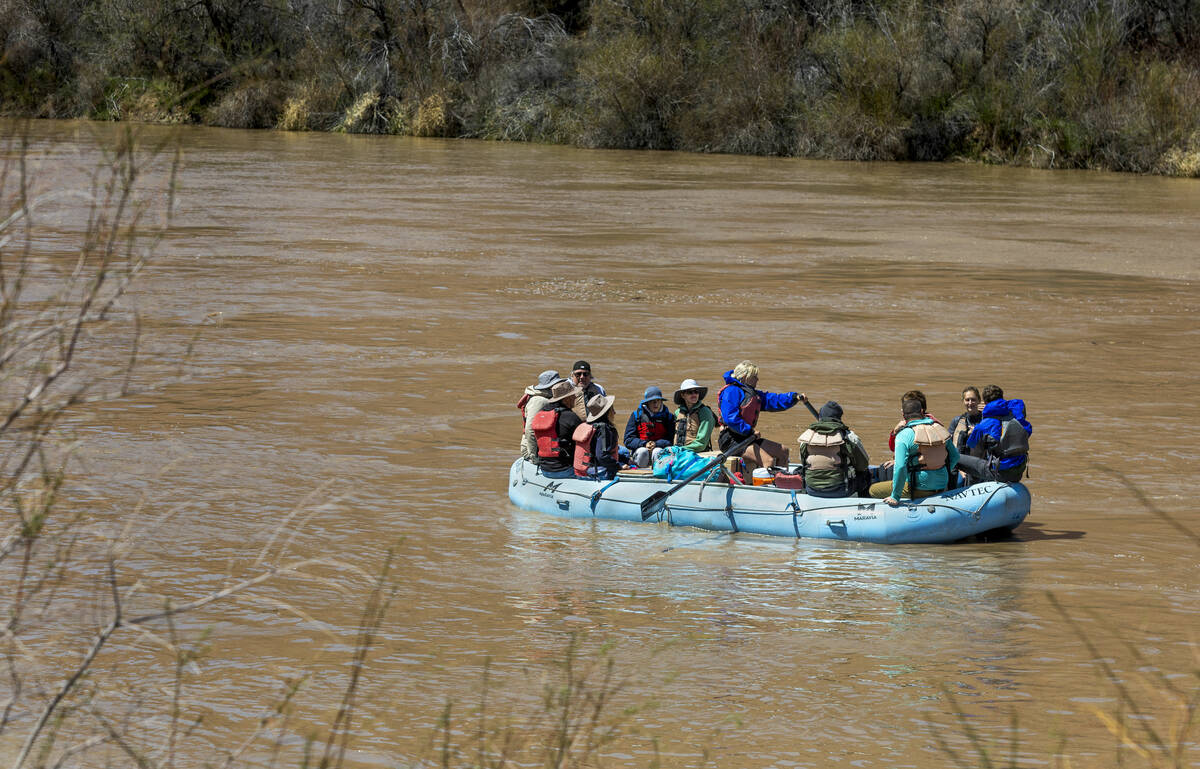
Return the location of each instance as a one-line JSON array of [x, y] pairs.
[[720, 506]]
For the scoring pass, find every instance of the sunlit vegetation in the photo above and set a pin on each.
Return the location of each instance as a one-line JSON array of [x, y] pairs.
[[1111, 84]]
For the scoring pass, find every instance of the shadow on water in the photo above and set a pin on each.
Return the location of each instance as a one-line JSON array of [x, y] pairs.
[[1037, 532]]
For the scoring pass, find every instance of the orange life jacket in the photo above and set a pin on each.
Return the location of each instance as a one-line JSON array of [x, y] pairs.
[[545, 432], [585, 437]]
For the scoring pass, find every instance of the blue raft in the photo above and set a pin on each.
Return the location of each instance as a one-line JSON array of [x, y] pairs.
[[719, 506]]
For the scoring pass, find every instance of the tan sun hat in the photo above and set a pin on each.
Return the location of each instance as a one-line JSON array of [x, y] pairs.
[[689, 384], [563, 390], [598, 405]]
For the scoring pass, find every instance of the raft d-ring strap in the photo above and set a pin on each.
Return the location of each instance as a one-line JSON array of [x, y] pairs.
[[796, 513], [596, 495]]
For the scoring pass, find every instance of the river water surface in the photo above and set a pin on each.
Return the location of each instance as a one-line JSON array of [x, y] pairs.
[[369, 310]]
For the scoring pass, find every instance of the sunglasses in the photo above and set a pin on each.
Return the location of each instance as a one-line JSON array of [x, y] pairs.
[[582, 374], [691, 392]]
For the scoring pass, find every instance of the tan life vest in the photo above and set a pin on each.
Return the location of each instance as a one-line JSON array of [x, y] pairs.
[[961, 430], [931, 446], [687, 427], [824, 451]]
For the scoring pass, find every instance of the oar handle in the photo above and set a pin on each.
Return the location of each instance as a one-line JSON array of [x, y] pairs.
[[811, 410], [655, 501], [719, 459]]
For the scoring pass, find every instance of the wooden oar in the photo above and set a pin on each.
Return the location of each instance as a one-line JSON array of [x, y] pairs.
[[655, 502]]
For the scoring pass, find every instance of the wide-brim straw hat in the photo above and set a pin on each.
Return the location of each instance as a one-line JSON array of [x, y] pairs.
[[689, 384], [598, 405], [563, 390]]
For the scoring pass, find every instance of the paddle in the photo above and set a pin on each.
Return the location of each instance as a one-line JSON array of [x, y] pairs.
[[655, 502]]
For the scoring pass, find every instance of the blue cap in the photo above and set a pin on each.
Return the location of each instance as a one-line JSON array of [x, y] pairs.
[[652, 393]]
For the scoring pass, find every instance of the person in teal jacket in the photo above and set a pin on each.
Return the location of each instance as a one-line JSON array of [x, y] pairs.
[[942, 455]]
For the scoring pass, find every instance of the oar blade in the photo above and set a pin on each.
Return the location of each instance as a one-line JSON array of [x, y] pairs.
[[653, 503]]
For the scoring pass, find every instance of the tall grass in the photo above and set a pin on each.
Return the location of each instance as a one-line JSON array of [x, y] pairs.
[[71, 337], [579, 720], [1156, 717]]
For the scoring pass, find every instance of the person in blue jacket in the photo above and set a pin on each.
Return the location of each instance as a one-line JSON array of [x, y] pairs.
[[999, 445], [740, 404], [650, 429]]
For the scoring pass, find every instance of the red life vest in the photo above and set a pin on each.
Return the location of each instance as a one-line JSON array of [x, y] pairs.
[[749, 407], [584, 437], [545, 432], [583, 447], [521, 405], [649, 430]]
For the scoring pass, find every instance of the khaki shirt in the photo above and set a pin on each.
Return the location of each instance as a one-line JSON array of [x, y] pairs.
[[580, 407], [528, 442]]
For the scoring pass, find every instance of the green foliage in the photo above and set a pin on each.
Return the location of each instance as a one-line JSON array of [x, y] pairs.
[[1058, 83]]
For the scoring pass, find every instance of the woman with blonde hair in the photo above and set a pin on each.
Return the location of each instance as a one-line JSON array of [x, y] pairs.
[[740, 404]]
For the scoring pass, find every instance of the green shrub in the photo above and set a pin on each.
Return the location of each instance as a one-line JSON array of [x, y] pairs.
[[1055, 83]]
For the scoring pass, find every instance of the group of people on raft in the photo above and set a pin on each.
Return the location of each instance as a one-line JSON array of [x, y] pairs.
[[569, 432]]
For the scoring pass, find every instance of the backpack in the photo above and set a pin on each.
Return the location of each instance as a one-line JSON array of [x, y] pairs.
[[677, 462], [1014, 441]]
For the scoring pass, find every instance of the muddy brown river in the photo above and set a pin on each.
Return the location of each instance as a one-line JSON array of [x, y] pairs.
[[367, 310]]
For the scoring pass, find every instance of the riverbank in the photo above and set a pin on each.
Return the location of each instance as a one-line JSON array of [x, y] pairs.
[[1065, 84]]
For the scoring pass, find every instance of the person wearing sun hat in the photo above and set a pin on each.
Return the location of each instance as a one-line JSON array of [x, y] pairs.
[[650, 429], [536, 396], [581, 377], [694, 421], [596, 441], [553, 427]]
